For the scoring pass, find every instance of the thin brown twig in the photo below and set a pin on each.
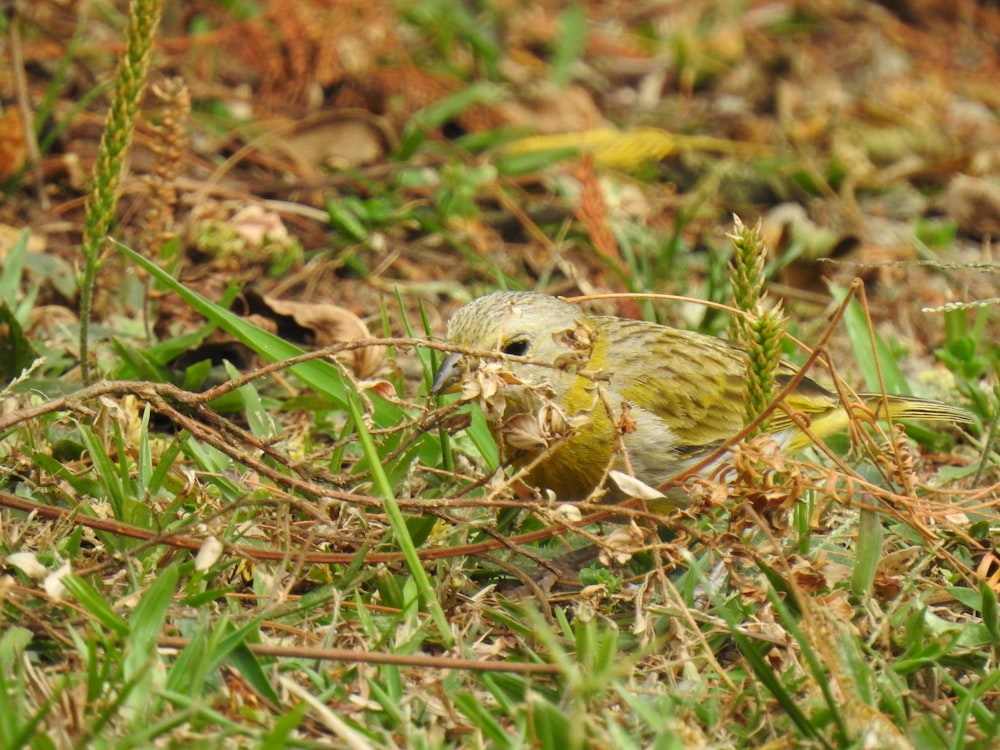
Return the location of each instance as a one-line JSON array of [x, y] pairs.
[[381, 657], [24, 105]]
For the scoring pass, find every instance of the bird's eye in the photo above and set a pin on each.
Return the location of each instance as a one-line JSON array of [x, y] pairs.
[[515, 347]]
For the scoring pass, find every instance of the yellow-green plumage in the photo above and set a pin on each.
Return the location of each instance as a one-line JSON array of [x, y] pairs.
[[681, 393]]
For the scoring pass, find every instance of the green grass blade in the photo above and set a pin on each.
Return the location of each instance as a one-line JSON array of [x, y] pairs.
[[871, 362], [319, 375], [398, 524]]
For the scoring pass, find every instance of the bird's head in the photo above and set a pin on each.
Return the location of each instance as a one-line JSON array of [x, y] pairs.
[[520, 324]]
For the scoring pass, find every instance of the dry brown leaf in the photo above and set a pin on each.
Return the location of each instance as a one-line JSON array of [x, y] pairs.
[[554, 110], [974, 204], [330, 324], [335, 140], [788, 225], [523, 432], [13, 144], [629, 486], [619, 546], [899, 562]]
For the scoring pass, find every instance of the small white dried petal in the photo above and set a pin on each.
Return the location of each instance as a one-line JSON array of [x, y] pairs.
[[485, 385], [28, 564], [620, 544], [522, 432], [567, 513], [208, 554], [53, 584], [552, 420], [578, 342], [632, 487]]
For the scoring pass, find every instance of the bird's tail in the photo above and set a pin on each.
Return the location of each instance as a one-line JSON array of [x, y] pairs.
[[911, 407], [882, 407]]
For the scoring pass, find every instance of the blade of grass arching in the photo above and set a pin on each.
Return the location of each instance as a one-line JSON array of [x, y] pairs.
[[138, 513], [819, 674], [163, 466], [569, 44], [431, 361], [137, 364], [763, 671], [386, 690], [192, 709], [397, 523], [145, 626], [246, 663], [107, 475], [429, 358], [991, 436], [146, 620], [95, 604], [144, 457], [190, 668], [479, 432], [517, 164], [872, 363], [550, 724], [216, 465], [54, 96], [226, 643], [100, 718], [868, 551], [261, 423], [22, 714], [435, 451], [971, 706], [319, 375], [471, 706], [988, 607], [13, 267], [283, 734], [440, 112]]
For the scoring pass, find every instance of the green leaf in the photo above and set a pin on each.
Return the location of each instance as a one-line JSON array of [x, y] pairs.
[[989, 610], [16, 352], [248, 665], [13, 268], [569, 43], [95, 604], [282, 734], [871, 362], [322, 376], [868, 553]]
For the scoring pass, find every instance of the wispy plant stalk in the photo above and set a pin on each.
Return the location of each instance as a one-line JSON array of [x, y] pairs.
[[130, 81]]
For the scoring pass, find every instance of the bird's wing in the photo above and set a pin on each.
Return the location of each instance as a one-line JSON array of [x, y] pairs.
[[695, 383]]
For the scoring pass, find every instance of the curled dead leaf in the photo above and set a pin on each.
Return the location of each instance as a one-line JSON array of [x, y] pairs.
[[339, 139], [621, 544], [485, 384], [257, 225], [382, 388], [13, 144], [974, 204], [788, 225], [523, 432], [326, 324], [567, 513], [579, 344], [629, 486]]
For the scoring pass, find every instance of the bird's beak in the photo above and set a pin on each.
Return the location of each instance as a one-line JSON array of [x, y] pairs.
[[448, 376]]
